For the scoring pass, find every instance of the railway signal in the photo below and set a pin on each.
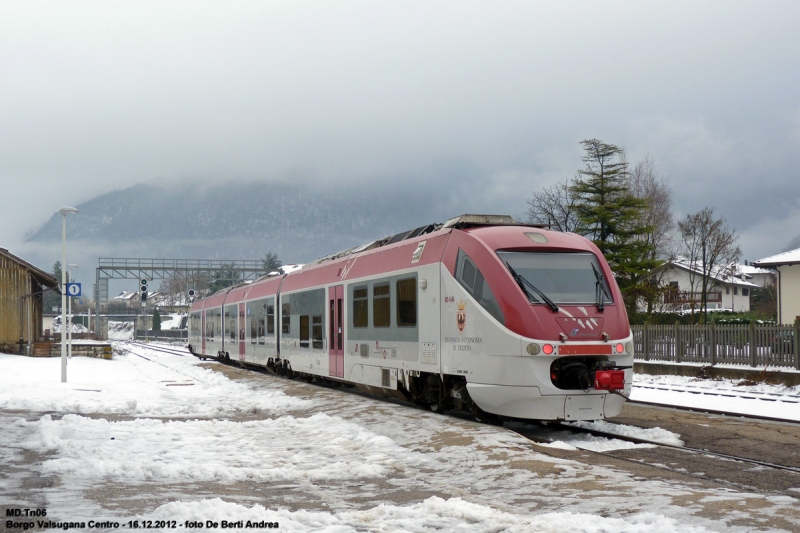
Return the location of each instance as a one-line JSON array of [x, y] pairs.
[[191, 295], [143, 289]]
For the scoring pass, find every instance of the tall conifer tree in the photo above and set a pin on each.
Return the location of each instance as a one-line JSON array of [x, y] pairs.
[[611, 217]]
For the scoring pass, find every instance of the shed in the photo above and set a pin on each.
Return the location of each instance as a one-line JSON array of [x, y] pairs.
[[788, 265], [21, 288]]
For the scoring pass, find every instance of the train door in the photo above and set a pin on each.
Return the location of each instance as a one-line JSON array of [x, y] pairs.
[[336, 332], [241, 331], [203, 332]]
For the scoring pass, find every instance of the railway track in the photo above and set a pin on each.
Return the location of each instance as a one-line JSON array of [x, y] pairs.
[[158, 348], [635, 440], [720, 393]]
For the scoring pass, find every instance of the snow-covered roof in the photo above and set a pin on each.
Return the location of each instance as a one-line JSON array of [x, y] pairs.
[[791, 257], [750, 270], [125, 295], [721, 274]]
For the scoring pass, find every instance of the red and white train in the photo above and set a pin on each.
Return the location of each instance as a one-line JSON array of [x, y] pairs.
[[479, 313]]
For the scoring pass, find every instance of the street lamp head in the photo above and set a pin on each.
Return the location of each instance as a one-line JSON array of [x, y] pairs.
[[66, 210], [73, 265]]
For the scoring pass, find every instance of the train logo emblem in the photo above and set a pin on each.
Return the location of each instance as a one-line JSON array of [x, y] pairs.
[[461, 316]]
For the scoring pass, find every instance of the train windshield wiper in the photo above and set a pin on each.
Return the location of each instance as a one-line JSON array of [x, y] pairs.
[[600, 289], [524, 284]]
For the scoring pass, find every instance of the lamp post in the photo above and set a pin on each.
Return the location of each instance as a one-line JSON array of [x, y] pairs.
[[64, 212], [69, 313]]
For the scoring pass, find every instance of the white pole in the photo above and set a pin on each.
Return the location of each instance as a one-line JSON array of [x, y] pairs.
[[63, 296], [69, 315], [64, 212], [69, 312]]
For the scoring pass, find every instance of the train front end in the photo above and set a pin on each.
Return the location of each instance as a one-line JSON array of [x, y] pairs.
[[533, 325]]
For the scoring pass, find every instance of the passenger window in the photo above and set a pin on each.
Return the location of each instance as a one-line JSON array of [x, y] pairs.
[[253, 330], [304, 331], [471, 278], [381, 306], [360, 303], [262, 339], [316, 332], [285, 318], [271, 319], [407, 302], [233, 329]]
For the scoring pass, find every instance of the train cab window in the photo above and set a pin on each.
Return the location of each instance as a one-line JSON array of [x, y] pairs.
[[381, 306], [407, 302], [316, 332], [571, 278], [271, 319], [471, 278], [304, 331], [285, 318], [360, 307]]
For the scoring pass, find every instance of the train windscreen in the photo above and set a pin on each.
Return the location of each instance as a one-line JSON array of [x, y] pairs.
[[565, 278]]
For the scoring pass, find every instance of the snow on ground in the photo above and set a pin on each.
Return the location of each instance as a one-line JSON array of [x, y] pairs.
[[759, 399], [131, 385], [156, 436]]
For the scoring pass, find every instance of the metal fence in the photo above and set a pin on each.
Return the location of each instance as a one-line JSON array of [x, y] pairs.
[[748, 345]]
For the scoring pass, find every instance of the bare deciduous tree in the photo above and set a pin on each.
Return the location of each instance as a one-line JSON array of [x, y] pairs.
[[711, 246], [554, 207]]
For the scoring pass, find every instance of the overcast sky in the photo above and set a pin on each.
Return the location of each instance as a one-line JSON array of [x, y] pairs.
[[489, 99]]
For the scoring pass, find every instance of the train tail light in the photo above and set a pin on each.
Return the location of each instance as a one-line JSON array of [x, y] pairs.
[[609, 380]]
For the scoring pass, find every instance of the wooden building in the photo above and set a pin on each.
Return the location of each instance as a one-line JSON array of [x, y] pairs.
[[21, 288]]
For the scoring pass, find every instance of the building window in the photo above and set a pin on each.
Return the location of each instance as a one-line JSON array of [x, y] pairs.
[[360, 303], [316, 332], [407, 302], [745, 292], [381, 306], [736, 291]]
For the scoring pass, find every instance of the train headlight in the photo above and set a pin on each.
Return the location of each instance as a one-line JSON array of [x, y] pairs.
[[620, 347], [629, 347], [547, 349], [533, 349]]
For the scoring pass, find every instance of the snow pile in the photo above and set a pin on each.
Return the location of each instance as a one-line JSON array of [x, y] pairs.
[[76, 328], [120, 330], [432, 515], [131, 385], [661, 436], [172, 321]]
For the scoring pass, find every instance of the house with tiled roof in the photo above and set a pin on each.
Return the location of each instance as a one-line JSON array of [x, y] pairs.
[[788, 266]]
